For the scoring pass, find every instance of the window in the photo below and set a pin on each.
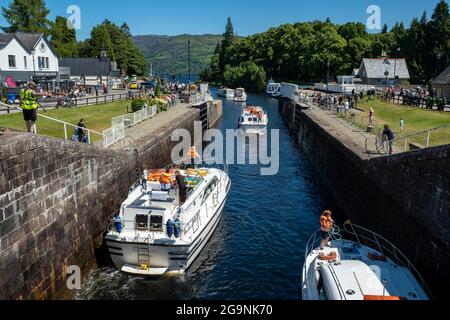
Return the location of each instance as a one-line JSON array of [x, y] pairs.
[[12, 61], [141, 222], [25, 62], [156, 223], [40, 62], [47, 63]]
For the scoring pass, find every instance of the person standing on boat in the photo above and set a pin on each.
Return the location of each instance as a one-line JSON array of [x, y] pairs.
[[144, 179], [326, 223], [166, 181], [182, 187]]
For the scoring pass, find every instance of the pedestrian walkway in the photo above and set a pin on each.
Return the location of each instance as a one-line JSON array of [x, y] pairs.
[[161, 120], [351, 136]]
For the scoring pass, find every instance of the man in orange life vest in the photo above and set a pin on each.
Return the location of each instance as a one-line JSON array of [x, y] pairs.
[[326, 223], [166, 181]]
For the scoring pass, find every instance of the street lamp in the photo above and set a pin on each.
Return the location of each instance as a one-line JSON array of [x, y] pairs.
[[438, 56], [33, 52], [328, 70], [395, 68], [387, 63]]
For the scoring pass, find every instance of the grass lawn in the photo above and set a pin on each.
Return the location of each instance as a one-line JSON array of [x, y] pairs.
[[97, 118], [416, 120]]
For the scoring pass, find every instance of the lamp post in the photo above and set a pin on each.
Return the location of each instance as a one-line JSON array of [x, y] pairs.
[[33, 52], [387, 63], [438, 56], [395, 68], [328, 70]]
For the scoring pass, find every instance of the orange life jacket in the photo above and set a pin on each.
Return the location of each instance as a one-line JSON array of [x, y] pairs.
[[326, 223], [166, 178]]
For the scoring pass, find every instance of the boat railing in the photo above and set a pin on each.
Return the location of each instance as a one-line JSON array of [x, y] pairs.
[[373, 240], [370, 239], [150, 231]]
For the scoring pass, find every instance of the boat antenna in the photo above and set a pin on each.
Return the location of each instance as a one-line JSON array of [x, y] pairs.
[[384, 287]]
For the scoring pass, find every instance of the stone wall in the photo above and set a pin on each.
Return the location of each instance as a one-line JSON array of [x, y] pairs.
[[405, 197], [57, 197]]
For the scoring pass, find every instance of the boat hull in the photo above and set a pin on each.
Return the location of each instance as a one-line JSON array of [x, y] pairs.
[[168, 258]]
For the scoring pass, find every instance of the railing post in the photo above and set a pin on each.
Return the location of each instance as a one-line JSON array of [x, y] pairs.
[[65, 131], [406, 144], [89, 136], [428, 138]]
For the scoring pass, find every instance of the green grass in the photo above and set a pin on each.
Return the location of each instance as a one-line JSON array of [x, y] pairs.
[[97, 118], [416, 120]]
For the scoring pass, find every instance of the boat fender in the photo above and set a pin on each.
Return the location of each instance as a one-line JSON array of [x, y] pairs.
[[177, 228], [330, 257], [118, 224], [170, 228]]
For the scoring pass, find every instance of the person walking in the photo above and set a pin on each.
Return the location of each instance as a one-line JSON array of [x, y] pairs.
[[81, 132], [29, 104], [389, 137], [326, 224], [371, 114]]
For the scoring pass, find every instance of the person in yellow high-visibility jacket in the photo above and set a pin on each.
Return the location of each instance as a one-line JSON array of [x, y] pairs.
[[29, 105]]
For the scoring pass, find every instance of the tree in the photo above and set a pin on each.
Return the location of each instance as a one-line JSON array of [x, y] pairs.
[[227, 42], [101, 41], [385, 29], [63, 39], [439, 35], [27, 16]]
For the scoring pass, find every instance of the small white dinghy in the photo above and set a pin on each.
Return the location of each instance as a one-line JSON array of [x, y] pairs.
[[359, 265]]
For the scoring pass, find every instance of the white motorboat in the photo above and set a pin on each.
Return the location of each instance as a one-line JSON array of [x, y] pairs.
[[240, 95], [359, 265], [226, 93], [253, 120], [273, 89], [155, 235]]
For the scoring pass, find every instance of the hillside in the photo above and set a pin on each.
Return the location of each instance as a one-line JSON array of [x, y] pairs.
[[169, 54]]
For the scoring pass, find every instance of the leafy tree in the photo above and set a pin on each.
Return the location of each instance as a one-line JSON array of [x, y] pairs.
[[439, 35], [27, 16], [63, 39]]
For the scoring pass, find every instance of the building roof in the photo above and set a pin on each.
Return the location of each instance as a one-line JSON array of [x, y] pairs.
[[28, 40], [5, 39], [376, 68], [87, 66], [443, 78]]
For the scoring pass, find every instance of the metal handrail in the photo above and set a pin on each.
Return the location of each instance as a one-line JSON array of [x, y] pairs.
[[66, 124], [388, 249]]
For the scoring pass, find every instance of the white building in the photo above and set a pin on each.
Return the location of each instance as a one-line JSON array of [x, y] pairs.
[[28, 56]]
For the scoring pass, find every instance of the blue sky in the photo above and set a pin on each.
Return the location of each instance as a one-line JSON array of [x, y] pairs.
[[174, 17]]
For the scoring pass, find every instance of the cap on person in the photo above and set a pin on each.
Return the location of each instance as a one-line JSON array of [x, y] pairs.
[[31, 84]]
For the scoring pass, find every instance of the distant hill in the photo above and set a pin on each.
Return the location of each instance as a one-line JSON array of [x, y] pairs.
[[169, 54]]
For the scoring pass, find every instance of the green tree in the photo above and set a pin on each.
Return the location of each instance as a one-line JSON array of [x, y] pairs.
[[439, 35], [27, 16], [227, 42], [63, 39]]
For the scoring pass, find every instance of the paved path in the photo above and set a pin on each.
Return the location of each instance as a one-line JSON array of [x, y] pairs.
[[354, 138], [161, 120]]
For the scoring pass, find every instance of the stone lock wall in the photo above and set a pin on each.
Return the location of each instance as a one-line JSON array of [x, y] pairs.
[[55, 198], [405, 197]]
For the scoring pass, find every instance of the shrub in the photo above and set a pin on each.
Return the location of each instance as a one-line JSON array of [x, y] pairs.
[[137, 104]]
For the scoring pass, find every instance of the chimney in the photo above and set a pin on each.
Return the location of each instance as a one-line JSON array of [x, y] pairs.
[[113, 65]]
